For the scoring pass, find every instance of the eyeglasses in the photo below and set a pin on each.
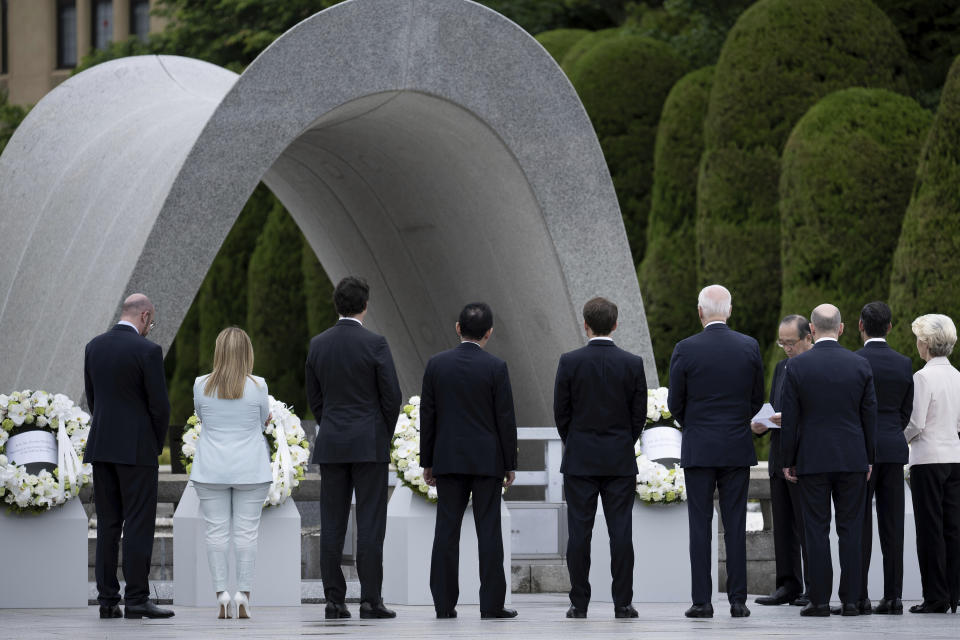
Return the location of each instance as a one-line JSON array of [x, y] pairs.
[[152, 324], [787, 344]]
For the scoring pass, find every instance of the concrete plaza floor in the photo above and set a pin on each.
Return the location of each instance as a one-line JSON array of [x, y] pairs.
[[541, 616]]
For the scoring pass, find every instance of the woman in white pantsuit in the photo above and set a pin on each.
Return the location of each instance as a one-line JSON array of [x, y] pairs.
[[231, 469]]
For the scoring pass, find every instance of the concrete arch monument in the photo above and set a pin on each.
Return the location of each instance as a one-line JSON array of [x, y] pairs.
[[431, 146]]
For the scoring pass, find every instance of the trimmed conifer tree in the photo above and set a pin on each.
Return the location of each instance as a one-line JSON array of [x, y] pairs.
[[558, 42], [318, 293]]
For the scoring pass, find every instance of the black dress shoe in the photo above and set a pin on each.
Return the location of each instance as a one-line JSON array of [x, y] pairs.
[[375, 610], [850, 609], [865, 607], [503, 613], [625, 612], [573, 612], [739, 610], [892, 607], [816, 610], [113, 611], [336, 610], [929, 607], [801, 600], [781, 596], [447, 614], [146, 610], [700, 611]]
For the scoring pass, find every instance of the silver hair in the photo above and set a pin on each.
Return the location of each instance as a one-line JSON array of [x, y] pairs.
[[937, 331], [715, 300], [825, 323]]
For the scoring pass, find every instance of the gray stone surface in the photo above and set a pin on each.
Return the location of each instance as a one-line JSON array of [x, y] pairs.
[[431, 146]]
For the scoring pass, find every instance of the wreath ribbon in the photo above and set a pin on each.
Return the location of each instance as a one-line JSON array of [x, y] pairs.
[[67, 459], [283, 463]]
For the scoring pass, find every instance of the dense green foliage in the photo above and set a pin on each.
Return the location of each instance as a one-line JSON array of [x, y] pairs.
[[11, 116], [931, 31], [777, 61], [276, 310], [317, 293], [846, 176], [558, 42], [927, 259], [668, 274], [625, 116], [186, 367]]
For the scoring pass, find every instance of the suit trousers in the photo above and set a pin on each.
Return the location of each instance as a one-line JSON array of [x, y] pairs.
[[337, 484], [849, 493], [126, 501], [618, 494], [788, 543], [732, 484], [453, 492], [936, 508], [235, 507], [886, 483]]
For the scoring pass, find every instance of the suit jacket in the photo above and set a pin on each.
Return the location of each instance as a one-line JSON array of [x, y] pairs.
[[467, 423], [353, 392], [829, 411], [893, 382], [600, 407], [716, 387], [126, 392], [776, 395]]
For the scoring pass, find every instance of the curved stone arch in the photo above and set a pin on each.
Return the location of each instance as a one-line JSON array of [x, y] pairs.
[[431, 146]]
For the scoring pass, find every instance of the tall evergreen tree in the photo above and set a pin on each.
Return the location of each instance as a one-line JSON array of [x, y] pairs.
[[318, 293]]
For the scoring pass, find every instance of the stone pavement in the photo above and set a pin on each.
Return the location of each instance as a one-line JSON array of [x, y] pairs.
[[541, 616]]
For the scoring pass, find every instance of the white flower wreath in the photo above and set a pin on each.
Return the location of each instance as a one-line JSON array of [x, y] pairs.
[[405, 451], [36, 493], [656, 484], [290, 454]]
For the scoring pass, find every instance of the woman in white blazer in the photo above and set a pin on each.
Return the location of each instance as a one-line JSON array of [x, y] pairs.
[[935, 464], [231, 469]]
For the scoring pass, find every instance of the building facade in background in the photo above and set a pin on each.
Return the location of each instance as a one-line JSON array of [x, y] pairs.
[[41, 41]]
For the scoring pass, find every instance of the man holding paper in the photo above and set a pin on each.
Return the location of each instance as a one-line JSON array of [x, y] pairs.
[[794, 339]]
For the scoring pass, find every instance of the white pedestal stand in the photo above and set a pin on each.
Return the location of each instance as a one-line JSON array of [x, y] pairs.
[[409, 542], [45, 559], [912, 589], [277, 580], [661, 546]]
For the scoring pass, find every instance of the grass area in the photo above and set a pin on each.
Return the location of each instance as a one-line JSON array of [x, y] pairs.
[[164, 457]]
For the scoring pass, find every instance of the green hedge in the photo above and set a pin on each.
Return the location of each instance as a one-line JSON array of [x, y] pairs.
[[623, 83], [777, 61], [186, 367], [276, 312], [845, 181], [927, 260], [584, 44], [558, 42], [318, 294], [668, 274]]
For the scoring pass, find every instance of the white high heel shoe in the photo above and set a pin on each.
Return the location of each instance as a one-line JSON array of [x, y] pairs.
[[243, 605], [225, 605]]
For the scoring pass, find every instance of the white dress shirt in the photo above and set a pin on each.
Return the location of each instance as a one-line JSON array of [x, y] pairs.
[[932, 432]]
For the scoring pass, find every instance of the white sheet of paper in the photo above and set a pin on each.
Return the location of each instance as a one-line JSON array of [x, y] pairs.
[[763, 416]]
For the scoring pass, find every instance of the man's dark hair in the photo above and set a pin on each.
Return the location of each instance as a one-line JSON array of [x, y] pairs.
[[803, 326], [475, 320], [876, 317], [351, 295], [600, 315]]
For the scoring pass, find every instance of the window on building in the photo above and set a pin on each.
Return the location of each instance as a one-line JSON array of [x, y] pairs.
[[140, 19], [102, 23], [3, 37], [66, 34]]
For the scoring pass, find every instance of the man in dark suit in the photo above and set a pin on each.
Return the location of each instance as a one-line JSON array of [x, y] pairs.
[[716, 387], [468, 445], [794, 339], [127, 396], [893, 381], [353, 392], [600, 407], [829, 419]]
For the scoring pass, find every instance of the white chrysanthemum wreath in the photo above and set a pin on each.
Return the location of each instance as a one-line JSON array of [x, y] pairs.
[[656, 484], [26, 412], [289, 447], [405, 451]]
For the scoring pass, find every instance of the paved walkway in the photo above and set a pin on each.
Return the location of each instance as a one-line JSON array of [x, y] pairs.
[[541, 616]]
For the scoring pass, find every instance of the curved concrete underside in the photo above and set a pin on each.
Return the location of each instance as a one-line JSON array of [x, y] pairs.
[[431, 146]]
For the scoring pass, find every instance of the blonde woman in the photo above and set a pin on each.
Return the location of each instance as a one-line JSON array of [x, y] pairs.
[[935, 464], [231, 469]]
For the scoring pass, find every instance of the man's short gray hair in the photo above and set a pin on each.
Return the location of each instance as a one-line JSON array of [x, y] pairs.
[[937, 331], [715, 300]]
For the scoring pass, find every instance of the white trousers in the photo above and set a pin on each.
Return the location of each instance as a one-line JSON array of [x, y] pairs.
[[236, 507]]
